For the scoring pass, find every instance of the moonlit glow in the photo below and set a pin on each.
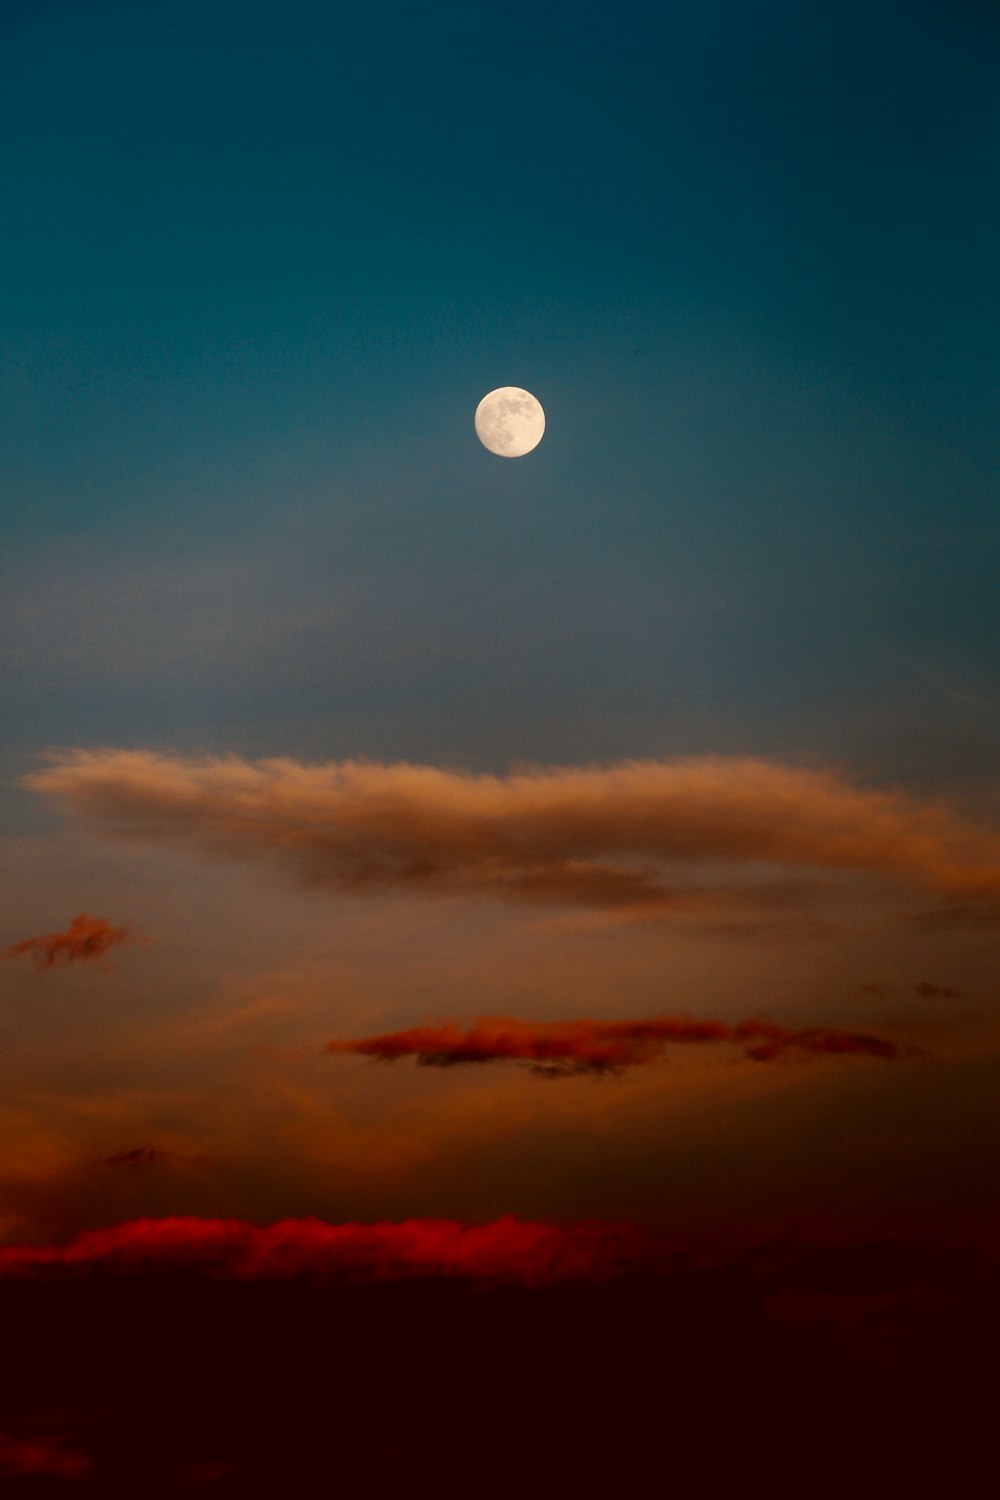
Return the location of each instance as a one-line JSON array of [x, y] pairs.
[[510, 421]]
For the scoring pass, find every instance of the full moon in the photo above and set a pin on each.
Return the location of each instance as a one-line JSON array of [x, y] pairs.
[[510, 421]]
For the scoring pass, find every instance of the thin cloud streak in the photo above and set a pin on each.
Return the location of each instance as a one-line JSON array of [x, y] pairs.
[[717, 839], [86, 940], [559, 1048], [519, 1251]]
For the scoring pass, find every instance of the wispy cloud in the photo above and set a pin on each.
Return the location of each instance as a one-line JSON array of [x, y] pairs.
[[713, 838], [86, 940], [560, 1048], [508, 1249]]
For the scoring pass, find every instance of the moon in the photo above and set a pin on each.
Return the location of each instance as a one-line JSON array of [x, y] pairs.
[[509, 421]]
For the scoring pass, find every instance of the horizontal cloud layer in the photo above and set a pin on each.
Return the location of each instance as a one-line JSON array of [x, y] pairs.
[[566, 1047], [513, 1250], [213, 1355], [711, 837], [86, 939]]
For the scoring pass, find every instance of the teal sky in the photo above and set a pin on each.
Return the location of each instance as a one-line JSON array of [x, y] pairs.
[[260, 263]]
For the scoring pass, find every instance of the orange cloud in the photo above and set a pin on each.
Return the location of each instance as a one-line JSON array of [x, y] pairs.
[[717, 838], [507, 1250], [86, 940], [558, 1048]]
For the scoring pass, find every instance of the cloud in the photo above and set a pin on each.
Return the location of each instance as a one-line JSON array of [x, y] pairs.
[[86, 940], [561, 1048], [139, 1157], [765, 1040], [856, 1336], [878, 991], [40, 1456], [714, 838], [207, 1473], [507, 1250], [956, 916], [923, 987], [936, 991]]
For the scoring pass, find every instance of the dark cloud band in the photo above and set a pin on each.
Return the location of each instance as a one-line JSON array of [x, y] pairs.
[[563, 1048]]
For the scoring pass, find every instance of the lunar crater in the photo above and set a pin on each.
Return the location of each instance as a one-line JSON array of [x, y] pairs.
[[510, 421]]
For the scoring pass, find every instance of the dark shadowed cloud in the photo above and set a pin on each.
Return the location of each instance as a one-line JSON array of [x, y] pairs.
[[557, 1048], [138, 1158], [931, 991]]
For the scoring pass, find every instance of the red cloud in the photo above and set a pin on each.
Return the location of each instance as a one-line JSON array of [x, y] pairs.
[[871, 1355], [565, 1047], [507, 1250], [41, 1456], [87, 939], [936, 991]]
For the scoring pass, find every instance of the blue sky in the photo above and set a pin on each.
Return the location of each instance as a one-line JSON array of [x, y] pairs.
[[260, 264], [263, 266]]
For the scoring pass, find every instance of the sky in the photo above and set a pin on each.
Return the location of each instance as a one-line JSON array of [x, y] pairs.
[[393, 832]]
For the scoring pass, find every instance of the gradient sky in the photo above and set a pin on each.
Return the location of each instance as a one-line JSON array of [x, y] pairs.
[[259, 263]]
